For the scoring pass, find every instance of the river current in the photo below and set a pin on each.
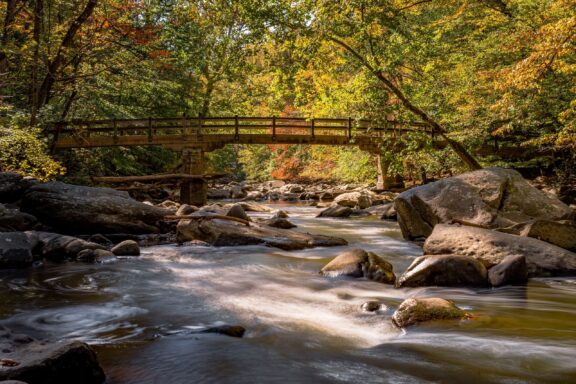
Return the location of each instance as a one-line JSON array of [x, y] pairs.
[[143, 314]]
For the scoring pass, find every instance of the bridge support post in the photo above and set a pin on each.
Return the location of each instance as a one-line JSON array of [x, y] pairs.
[[383, 182], [193, 192]]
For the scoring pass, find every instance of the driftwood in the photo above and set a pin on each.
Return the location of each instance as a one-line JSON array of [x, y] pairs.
[[211, 217], [171, 176]]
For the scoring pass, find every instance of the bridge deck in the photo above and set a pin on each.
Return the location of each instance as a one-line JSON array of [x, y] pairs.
[[213, 132]]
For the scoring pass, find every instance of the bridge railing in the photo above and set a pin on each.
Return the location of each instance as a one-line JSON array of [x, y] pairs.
[[230, 126]]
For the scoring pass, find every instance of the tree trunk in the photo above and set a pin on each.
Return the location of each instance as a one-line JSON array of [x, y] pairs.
[[9, 17], [458, 148], [38, 19], [56, 64]]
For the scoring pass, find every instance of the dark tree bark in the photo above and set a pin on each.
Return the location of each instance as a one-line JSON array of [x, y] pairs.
[[58, 61], [38, 20], [12, 9]]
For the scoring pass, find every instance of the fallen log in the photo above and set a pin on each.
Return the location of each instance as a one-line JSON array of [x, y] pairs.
[[170, 176], [211, 217]]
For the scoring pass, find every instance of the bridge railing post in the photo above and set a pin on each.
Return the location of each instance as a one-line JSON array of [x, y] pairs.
[[149, 129], [236, 128], [273, 128], [312, 123], [198, 130], [349, 128]]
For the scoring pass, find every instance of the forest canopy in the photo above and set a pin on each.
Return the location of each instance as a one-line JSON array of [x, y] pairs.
[[483, 73]]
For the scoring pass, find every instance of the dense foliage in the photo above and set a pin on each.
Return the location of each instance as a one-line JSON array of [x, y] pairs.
[[483, 73]]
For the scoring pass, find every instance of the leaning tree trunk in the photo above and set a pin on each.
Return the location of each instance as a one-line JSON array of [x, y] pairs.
[[458, 148]]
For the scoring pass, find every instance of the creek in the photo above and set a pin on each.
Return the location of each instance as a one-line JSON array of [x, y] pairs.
[[142, 316]]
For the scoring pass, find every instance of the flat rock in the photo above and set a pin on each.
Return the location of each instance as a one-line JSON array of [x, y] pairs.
[[560, 233], [492, 247], [336, 211], [359, 263], [490, 198], [444, 270], [228, 233], [73, 209], [413, 311]]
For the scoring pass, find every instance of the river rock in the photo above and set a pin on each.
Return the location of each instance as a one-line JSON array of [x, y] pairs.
[[238, 192], [92, 255], [169, 204], [417, 310], [36, 362], [354, 199], [278, 222], [250, 206], [15, 250], [254, 195], [359, 263], [222, 193], [237, 211], [384, 211], [280, 214], [186, 209], [228, 233], [74, 209], [560, 233], [490, 198], [126, 248], [13, 186], [444, 270], [492, 247], [58, 247], [336, 210], [12, 220], [511, 270]]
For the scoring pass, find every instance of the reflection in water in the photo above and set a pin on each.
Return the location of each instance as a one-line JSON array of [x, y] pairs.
[[301, 327]]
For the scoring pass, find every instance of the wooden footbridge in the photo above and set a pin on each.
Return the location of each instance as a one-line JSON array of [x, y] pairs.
[[195, 135]]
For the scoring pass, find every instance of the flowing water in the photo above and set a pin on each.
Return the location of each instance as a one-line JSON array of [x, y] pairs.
[[143, 315]]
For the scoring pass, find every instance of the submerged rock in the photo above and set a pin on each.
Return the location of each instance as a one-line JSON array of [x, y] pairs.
[[490, 198], [74, 209], [492, 247], [36, 362], [57, 247], [413, 311], [228, 330], [444, 270], [228, 233], [359, 263]]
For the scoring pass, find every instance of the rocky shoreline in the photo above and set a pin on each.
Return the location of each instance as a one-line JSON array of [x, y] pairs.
[[486, 228]]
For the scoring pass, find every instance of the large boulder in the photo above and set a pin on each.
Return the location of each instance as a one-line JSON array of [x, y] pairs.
[[74, 209], [489, 198], [13, 220], [359, 263], [444, 270], [13, 186], [561, 233], [413, 311], [336, 210], [36, 362], [358, 199], [492, 247], [229, 233], [15, 250]]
